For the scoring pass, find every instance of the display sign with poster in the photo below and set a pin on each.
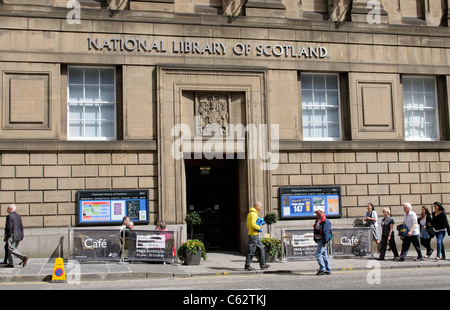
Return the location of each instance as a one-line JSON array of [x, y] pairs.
[[109, 207], [148, 245], [299, 243], [299, 202]]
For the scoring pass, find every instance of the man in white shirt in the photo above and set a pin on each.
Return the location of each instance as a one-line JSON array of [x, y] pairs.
[[410, 219]]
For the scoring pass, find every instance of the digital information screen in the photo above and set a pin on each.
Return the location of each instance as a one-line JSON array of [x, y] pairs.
[[299, 202], [109, 207]]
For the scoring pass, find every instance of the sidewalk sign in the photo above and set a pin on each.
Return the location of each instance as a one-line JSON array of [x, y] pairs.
[[355, 241], [299, 243], [114, 245], [59, 275]]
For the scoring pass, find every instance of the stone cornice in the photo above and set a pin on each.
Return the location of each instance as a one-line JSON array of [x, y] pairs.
[[125, 16]]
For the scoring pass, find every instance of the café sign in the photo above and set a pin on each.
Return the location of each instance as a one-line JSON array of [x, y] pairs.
[[279, 50]]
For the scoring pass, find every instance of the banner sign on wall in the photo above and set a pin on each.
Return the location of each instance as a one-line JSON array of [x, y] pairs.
[[299, 202], [109, 207]]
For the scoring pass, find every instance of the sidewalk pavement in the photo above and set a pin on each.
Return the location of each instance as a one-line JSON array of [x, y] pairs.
[[225, 263]]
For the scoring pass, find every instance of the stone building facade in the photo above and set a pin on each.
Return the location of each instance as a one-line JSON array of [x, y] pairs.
[[100, 95]]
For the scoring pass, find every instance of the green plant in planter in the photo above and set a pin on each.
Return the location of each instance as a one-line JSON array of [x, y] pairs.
[[271, 218], [272, 247], [192, 246], [193, 219]]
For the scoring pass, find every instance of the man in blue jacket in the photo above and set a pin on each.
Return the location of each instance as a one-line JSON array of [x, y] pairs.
[[322, 235]]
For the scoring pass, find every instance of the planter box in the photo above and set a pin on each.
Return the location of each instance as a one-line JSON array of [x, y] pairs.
[[270, 258], [193, 259]]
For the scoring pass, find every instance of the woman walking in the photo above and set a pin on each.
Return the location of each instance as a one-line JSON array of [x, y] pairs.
[[387, 235], [426, 230], [440, 225], [371, 219]]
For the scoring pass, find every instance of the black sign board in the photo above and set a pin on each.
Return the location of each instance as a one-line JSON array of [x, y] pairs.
[[351, 241], [299, 243], [96, 245], [299, 202], [147, 245], [109, 207]]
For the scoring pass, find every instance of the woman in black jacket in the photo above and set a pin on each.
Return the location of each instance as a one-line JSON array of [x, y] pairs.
[[426, 230], [440, 225]]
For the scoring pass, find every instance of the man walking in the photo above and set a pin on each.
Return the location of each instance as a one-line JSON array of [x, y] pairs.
[[410, 220], [253, 238], [322, 235], [13, 236]]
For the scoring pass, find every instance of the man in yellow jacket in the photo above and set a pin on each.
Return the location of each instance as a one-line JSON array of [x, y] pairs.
[[253, 238]]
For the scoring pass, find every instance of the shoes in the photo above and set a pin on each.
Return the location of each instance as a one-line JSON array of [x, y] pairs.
[[25, 261], [9, 266], [401, 259], [249, 268], [419, 259], [395, 258], [322, 272]]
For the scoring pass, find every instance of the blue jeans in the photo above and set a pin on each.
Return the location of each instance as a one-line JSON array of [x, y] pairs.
[[440, 244], [322, 256]]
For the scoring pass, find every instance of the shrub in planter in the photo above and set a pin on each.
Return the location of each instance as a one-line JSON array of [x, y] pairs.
[[191, 248], [193, 219], [271, 218], [272, 248]]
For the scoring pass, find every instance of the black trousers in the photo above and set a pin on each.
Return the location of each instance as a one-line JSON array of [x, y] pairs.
[[383, 244], [407, 240], [426, 243]]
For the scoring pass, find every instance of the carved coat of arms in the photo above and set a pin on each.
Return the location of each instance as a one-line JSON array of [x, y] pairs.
[[212, 114]]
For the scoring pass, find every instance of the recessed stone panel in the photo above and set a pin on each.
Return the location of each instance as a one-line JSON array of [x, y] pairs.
[[28, 96], [27, 100], [376, 106]]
